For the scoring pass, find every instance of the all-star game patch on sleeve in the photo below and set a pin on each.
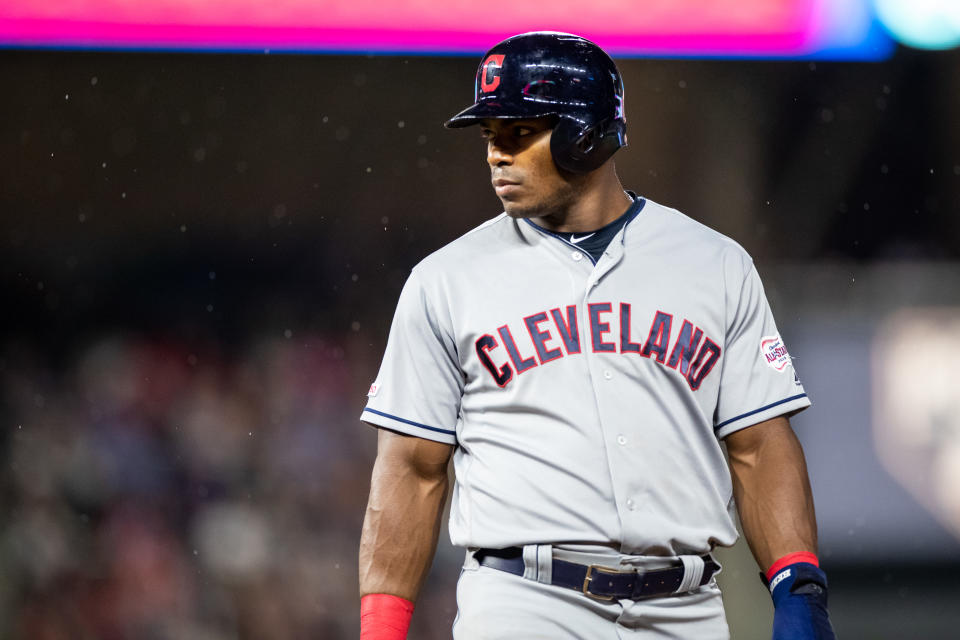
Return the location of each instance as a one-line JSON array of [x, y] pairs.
[[758, 381], [420, 383]]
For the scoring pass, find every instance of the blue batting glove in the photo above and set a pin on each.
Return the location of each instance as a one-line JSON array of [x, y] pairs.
[[799, 594]]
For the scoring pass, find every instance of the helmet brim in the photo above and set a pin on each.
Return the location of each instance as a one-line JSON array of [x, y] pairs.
[[488, 110]]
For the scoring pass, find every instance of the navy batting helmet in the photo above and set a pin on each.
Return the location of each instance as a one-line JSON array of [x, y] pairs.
[[546, 73]]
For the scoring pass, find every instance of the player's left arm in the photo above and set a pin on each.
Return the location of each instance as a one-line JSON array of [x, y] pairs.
[[772, 490], [775, 503]]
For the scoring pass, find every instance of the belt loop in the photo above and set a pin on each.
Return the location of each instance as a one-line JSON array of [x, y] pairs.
[[692, 573], [470, 562], [531, 568], [545, 563]]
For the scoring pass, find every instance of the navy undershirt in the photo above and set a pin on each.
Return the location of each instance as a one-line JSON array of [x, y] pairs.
[[595, 243]]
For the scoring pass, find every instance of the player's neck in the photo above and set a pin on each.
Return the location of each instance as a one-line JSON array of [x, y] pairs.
[[602, 200]]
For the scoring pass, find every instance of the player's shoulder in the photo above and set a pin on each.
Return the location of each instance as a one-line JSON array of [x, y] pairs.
[[470, 249], [676, 220], [692, 236], [443, 275]]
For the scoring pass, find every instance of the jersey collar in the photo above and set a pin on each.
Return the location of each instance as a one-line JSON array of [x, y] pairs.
[[619, 225]]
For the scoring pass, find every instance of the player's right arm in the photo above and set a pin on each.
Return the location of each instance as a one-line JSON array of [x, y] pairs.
[[408, 489], [417, 393]]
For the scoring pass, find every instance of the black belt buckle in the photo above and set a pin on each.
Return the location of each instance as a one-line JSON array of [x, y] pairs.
[[588, 580]]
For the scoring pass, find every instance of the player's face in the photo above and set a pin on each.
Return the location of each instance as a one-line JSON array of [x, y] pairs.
[[522, 170]]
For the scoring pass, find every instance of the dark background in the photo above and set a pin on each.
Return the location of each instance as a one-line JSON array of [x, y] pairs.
[[199, 259]]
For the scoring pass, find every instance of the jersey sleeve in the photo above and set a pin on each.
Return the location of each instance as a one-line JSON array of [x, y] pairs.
[[420, 383], [758, 381]]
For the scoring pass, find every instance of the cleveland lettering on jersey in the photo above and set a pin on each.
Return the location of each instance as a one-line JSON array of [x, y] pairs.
[[556, 334]]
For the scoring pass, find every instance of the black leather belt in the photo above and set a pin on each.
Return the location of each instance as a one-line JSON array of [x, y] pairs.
[[602, 583]]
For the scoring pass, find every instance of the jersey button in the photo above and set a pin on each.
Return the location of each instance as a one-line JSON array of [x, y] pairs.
[[621, 439], [577, 256], [631, 504], [607, 374]]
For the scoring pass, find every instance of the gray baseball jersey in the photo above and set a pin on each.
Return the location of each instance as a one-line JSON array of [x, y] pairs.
[[587, 401]]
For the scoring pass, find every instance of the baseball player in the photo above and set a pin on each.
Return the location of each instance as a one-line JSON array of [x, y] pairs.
[[582, 356]]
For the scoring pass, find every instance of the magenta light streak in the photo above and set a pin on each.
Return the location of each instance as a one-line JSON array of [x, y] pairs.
[[59, 32], [677, 27]]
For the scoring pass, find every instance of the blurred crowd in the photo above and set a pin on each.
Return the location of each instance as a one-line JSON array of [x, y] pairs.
[[152, 492]]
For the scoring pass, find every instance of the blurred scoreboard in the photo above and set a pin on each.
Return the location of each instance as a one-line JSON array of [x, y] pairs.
[[773, 29]]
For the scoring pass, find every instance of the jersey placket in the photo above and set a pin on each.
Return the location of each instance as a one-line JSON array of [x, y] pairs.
[[603, 382]]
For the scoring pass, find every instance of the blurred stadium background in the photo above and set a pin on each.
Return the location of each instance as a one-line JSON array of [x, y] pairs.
[[203, 241]]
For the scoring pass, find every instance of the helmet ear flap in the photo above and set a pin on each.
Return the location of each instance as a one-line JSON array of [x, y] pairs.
[[577, 149]]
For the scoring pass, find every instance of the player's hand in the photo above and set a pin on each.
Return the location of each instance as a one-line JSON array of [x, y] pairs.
[[799, 594]]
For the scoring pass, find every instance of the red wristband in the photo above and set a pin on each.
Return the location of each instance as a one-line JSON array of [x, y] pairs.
[[384, 617], [790, 558]]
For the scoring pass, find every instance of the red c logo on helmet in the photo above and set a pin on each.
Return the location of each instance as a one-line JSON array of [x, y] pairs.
[[490, 77]]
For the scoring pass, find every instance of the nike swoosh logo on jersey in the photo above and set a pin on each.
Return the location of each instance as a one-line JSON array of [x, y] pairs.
[[575, 240]]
